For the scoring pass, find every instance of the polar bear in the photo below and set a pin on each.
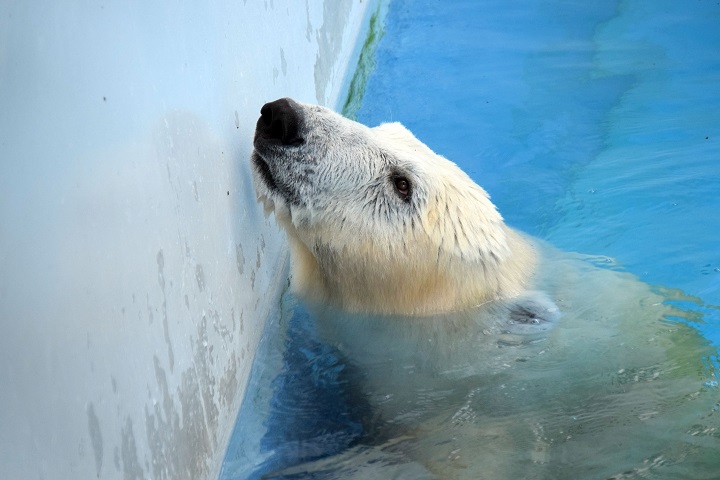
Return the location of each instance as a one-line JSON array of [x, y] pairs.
[[374, 229], [485, 353]]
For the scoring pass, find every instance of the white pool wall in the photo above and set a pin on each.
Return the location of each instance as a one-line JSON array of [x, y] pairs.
[[136, 269]]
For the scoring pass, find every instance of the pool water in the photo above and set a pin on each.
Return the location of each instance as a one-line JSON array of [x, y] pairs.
[[593, 125]]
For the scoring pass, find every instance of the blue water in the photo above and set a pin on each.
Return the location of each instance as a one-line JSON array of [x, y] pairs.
[[593, 125]]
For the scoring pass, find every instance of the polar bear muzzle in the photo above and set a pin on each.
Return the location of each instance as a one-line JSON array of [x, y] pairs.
[[278, 134]]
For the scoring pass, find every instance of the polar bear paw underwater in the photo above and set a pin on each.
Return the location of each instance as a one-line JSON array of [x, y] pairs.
[[485, 353]]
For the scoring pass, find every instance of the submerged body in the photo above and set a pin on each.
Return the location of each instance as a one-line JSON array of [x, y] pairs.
[[484, 353]]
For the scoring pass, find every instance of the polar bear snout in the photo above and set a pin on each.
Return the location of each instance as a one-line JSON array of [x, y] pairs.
[[280, 122], [279, 158]]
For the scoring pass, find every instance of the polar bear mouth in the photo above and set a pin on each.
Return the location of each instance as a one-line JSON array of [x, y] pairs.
[[263, 169], [276, 186]]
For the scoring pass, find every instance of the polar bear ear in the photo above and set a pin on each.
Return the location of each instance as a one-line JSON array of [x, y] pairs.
[[400, 138], [393, 129]]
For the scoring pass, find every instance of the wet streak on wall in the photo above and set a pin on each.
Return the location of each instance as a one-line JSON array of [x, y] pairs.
[[136, 269]]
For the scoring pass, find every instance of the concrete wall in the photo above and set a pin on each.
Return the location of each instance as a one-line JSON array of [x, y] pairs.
[[136, 269]]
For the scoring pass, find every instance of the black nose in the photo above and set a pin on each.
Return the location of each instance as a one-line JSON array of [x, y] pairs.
[[280, 120]]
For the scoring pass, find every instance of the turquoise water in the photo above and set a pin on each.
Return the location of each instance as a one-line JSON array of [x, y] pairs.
[[593, 125]]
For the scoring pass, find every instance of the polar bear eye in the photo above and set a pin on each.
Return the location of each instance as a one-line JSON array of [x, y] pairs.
[[402, 185]]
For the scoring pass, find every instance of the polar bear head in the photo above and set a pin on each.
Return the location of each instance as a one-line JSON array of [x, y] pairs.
[[376, 221]]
